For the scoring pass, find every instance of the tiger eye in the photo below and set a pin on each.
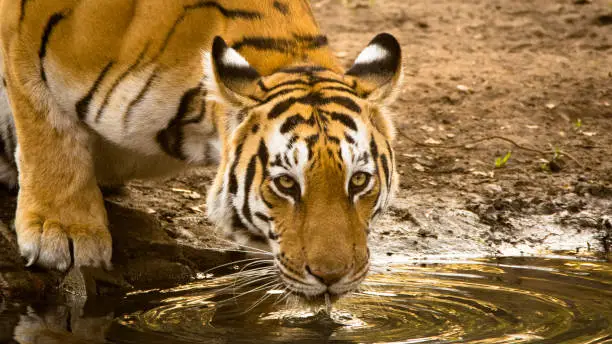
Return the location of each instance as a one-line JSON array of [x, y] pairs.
[[359, 179], [286, 182]]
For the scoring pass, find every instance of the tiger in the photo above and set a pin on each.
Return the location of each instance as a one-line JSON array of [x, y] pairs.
[[103, 92]]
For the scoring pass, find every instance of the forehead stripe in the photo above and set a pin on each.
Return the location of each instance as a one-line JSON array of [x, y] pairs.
[[344, 119], [293, 121], [314, 99], [281, 93]]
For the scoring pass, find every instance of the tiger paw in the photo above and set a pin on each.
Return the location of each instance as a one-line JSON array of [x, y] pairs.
[[51, 244]]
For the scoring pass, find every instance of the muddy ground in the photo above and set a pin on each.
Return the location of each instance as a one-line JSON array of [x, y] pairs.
[[538, 73]]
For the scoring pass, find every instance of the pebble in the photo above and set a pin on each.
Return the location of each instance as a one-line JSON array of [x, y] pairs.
[[418, 167], [493, 188], [464, 89]]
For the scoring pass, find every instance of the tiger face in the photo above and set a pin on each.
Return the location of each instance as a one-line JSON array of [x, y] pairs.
[[308, 164]]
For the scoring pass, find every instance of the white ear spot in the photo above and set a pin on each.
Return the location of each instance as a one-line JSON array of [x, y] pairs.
[[371, 54], [232, 58]]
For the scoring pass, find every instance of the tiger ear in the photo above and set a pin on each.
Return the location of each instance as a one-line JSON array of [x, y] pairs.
[[230, 75], [378, 68]]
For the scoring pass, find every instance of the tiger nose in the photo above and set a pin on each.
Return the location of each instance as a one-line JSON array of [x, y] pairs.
[[327, 276]]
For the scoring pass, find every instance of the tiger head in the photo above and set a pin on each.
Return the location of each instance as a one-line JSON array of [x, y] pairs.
[[307, 163]]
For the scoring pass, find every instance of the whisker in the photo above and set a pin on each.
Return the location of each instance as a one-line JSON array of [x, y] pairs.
[[227, 249], [246, 283], [251, 291], [249, 247], [266, 270], [231, 263], [261, 299], [282, 297]]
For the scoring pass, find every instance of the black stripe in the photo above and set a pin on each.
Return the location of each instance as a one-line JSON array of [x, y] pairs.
[[277, 161], [118, 81], [231, 14], [237, 223], [290, 82], [334, 139], [282, 45], [266, 202], [390, 152], [42, 51], [139, 97], [170, 139], [319, 79], [341, 89], [385, 166], [281, 93], [264, 156], [314, 80], [281, 7], [302, 69], [374, 149], [233, 182], [292, 122], [345, 102], [22, 11], [263, 217], [376, 212], [349, 138], [313, 99], [313, 41], [316, 99], [344, 119], [292, 141], [281, 107], [82, 106], [311, 141], [248, 182], [272, 235], [265, 43]]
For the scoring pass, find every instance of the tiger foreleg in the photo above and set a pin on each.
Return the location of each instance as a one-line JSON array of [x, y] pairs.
[[60, 215]]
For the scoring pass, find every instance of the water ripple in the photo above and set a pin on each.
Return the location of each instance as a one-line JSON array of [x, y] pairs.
[[507, 300]]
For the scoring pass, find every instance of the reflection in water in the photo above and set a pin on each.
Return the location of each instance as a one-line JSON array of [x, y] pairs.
[[508, 300]]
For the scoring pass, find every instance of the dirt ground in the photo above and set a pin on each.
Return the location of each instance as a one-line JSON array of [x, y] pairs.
[[538, 73]]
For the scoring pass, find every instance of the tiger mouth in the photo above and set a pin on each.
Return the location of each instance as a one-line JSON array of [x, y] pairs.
[[318, 292]]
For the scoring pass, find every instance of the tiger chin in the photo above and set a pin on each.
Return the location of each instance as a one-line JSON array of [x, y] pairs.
[[104, 92]]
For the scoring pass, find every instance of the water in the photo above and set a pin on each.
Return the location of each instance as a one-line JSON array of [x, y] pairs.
[[504, 300]]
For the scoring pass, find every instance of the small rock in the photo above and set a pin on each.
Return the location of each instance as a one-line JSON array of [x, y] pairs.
[[493, 188], [431, 141], [427, 128], [464, 89], [550, 106], [418, 167]]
